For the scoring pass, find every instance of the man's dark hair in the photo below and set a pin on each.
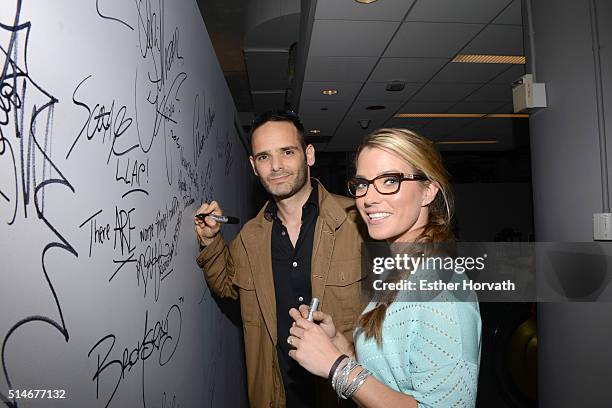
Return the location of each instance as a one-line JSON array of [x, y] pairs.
[[278, 116]]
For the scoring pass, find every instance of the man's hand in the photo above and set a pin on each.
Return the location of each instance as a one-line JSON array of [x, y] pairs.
[[206, 230]]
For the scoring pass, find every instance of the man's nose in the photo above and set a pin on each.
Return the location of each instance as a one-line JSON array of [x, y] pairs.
[[276, 163]]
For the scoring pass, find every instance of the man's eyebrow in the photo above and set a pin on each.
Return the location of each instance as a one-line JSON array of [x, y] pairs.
[[261, 153]]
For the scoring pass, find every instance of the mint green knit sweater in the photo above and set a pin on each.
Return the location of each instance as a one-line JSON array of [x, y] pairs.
[[430, 350]]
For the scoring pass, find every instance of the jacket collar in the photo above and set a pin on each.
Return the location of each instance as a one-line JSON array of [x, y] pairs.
[[332, 212]]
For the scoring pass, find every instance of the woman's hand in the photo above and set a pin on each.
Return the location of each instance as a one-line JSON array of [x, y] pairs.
[[324, 320], [326, 323], [313, 348]]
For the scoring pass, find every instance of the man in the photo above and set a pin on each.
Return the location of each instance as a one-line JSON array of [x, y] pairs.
[[304, 243]]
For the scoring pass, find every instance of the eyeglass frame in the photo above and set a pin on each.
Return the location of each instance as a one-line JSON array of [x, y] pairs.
[[401, 177]]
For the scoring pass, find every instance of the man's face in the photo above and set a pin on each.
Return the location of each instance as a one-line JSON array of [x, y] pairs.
[[279, 160]]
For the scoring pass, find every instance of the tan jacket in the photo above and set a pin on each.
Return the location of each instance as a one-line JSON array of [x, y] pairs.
[[245, 269]]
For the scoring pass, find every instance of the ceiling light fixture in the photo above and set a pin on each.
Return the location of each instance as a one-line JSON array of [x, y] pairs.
[[490, 59], [461, 115], [329, 92], [376, 107], [395, 86], [315, 131], [460, 142], [365, 1]]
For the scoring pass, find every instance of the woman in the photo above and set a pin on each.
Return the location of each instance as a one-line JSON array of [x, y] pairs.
[[419, 354]]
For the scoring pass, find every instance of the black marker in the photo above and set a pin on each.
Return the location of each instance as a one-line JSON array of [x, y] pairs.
[[223, 219]]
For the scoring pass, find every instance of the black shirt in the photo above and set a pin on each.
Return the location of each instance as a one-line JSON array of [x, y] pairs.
[[292, 286]]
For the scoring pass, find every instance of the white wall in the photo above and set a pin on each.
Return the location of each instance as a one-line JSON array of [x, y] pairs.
[[116, 122]]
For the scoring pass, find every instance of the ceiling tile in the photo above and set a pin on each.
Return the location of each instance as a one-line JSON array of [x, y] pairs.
[[267, 70], [358, 110], [444, 92], [345, 69], [491, 93], [497, 40], [322, 108], [425, 107], [511, 15], [344, 38], [438, 40], [265, 101], [388, 10], [477, 107], [506, 108], [346, 90], [407, 123], [327, 126], [376, 91], [469, 73], [406, 69], [509, 76], [465, 11]]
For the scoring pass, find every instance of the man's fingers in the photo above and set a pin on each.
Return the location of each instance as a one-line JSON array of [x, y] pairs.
[[294, 341], [296, 331]]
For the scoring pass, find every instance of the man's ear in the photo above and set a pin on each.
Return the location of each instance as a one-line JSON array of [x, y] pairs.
[[310, 155], [430, 191], [252, 160]]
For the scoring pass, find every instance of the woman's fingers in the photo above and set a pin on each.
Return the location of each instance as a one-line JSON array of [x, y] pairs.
[[322, 317], [299, 320], [304, 310]]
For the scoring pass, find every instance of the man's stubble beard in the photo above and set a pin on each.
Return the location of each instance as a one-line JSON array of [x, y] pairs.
[[301, 177]]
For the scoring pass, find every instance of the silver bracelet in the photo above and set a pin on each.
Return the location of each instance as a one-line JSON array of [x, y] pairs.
[[343, 377], [357, 382], [334, 381]]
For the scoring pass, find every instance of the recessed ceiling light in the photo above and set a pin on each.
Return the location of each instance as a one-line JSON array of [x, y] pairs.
[[490, 59], [365, 1], [461, 115], [458, 142], [329, 91], [315, 131], [376, 107]]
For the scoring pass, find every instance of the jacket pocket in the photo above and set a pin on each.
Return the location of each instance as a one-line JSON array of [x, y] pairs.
[[343, 292], [249, 306]]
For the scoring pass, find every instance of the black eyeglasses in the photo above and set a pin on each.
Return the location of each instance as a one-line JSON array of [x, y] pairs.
[[278, 116], [386, 184]]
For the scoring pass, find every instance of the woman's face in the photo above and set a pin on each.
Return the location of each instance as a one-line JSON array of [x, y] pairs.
[[397, 217]]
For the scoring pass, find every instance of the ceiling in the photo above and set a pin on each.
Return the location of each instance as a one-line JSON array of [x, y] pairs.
[[357, 49]]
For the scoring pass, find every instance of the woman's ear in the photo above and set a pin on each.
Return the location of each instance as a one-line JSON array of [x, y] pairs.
[[430, 191]]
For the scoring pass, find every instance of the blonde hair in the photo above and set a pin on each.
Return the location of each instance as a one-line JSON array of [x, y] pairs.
[[424, 157]]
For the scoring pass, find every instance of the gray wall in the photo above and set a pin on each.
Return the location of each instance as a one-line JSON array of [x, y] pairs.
[[574, 360]]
